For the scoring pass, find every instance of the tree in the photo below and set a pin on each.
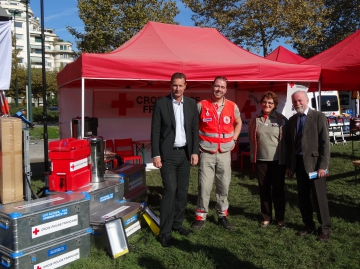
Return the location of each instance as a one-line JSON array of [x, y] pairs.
[[340, 19], [252, 24], [311, 26], [304, 28], [110, 23], [37, 85]]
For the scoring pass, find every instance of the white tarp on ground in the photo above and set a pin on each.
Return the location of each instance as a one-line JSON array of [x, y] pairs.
[[5, 54]]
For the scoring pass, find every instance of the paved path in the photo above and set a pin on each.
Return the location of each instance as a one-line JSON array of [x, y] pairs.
[[36, 152]]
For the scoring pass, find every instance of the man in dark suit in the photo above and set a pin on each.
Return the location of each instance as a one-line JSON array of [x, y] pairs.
[[310, 151], [174, 146]]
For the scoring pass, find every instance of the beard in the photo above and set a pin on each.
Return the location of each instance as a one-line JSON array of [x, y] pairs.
[[300, 109]]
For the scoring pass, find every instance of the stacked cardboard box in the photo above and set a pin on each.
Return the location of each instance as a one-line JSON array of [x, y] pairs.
[[11, 166]]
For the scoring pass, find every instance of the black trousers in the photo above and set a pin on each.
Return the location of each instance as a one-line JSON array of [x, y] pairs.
[[271, 179], [175, 173], [312, 192]]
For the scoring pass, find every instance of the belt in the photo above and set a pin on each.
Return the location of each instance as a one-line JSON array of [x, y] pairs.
[[179, 148]]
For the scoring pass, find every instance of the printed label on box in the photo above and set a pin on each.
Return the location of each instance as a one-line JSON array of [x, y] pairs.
[[114, 212], [54, 214], [132, 229], [135, 183], [106, 197], [59, 261], [39, 203], [78, 164], [54, 226], [130, 220], [57, 250]]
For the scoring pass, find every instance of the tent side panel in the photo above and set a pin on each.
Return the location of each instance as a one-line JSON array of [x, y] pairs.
[[70, 107]]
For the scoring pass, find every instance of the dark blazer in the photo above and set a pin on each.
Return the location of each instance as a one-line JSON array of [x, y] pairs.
[[315, 142], [163, 127]]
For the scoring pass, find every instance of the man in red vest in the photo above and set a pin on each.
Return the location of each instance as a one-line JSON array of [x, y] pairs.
[[219, 127]]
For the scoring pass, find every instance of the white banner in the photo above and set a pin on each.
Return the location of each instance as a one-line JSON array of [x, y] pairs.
[[5, 54], [252, 107], [288, 110]]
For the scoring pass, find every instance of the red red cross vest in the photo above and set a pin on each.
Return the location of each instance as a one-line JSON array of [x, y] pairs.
[[216, 133]]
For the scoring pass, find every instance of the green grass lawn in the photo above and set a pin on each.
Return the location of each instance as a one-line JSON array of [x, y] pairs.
[[249, 245], [38, 132]]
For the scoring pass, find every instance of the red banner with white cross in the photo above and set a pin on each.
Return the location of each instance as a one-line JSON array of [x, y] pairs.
[[114, 104]]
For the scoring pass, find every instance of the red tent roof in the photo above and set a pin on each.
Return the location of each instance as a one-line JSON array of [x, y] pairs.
[[340, 64], [159, 50], [283, 55]]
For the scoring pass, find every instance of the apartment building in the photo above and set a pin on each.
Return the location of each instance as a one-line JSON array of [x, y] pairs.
[[57, 52]]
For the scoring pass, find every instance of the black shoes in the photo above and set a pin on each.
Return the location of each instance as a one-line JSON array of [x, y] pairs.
[[198, 224], [306, 231], [165, 240], [321, 236], [182, 231], [225, 223]]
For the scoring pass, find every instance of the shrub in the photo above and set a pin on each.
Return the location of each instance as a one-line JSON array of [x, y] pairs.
[[38, 114]]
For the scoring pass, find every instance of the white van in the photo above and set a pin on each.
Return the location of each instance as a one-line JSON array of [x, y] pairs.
[[329, 104], [349, 103]]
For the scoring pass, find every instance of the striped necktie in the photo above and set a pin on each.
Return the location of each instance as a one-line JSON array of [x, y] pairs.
[[299, 134]]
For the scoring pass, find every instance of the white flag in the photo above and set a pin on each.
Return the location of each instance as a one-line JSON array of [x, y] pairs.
[[5, 54]]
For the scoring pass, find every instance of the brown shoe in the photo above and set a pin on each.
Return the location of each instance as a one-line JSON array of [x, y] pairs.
[[306, 231], [323, 237]]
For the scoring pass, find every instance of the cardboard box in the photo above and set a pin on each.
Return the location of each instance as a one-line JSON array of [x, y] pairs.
[[11, 163]]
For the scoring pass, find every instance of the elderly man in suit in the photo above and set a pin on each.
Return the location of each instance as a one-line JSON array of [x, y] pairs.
[[175, 146], [310, 151]]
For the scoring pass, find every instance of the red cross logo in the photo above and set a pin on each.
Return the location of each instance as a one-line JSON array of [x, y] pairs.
[[247, 109], [291, 84], [122, 104], [72, 166], [36, 231]]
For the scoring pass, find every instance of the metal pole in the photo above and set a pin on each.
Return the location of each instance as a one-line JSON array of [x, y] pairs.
[[319, 95], [15, 11], [46, 154], [82, 107], [29, 94]]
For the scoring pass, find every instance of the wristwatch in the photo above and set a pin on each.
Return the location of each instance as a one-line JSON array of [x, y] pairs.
[[235, 141]]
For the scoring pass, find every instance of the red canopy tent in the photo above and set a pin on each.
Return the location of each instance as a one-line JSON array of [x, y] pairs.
[[283, 55], [340, 64], [145, 64], [160, 49]]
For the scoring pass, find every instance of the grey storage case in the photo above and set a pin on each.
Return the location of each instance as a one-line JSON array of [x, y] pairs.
[[54, 254], [134, 176], [140, 196], [26, 224], [129, 213], [103, 194]]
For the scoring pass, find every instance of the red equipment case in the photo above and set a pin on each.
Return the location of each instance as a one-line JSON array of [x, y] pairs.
[[70, 164]]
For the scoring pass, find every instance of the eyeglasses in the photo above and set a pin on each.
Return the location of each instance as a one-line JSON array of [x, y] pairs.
[[218, 86], [269, 103]]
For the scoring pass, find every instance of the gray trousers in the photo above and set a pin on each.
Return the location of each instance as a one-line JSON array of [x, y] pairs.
[[218, 166]]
